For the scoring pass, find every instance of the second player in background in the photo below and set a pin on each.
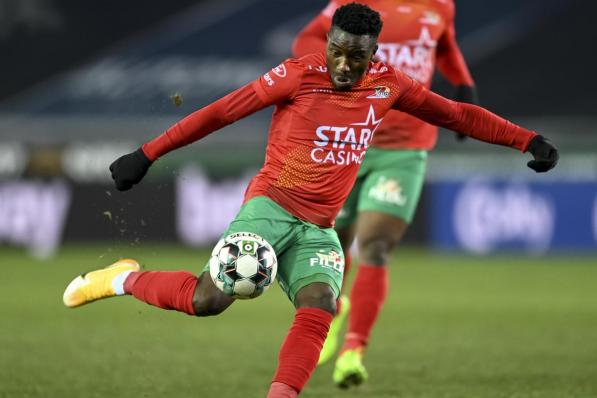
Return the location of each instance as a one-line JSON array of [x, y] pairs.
[[416, 37]]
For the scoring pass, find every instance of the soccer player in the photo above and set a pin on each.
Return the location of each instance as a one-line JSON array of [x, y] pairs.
[[416, 36], [327, 110]]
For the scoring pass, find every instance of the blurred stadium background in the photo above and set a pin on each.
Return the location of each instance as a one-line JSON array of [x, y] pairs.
[[501, 265]]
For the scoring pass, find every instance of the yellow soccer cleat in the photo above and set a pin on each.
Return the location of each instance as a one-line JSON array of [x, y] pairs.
[[99, 284], [349, 370], [332, 341]]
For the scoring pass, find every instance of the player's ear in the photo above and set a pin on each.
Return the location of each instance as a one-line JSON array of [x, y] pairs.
[[374, 52]]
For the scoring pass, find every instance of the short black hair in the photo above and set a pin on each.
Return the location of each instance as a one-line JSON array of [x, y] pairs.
[[357, 19]]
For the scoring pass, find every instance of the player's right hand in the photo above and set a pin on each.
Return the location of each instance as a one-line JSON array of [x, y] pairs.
[[545, 154], [129, 169]]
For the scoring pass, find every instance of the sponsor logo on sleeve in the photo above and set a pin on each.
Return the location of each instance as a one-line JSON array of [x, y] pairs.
[[268, 79], [280, 71]]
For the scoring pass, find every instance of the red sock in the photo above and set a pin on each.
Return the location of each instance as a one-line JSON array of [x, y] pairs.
[[346, 269], [369, 291], [281, 390], [168, 290], [300, 351]]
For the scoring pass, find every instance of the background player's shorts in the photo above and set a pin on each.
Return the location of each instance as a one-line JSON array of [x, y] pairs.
[[306, 253], [389, 181]]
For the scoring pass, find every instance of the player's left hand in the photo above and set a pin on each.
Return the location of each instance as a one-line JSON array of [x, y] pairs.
[[469, 95], [545, 154], [129, 169]]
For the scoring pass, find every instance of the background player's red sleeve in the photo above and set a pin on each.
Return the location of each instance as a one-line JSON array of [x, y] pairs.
[[312, 39], [226, 110], [450, 61], [467, 119]]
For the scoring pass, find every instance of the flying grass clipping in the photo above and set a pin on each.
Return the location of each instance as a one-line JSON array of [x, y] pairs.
[[176, 99]]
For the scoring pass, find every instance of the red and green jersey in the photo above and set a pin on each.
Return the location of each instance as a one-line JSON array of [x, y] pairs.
[[319, 135], [417, 35]]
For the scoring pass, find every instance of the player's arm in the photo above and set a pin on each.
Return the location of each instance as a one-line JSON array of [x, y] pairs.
[[270, 89], [313, 37], [129, 169], [474, 121], [451, 64]]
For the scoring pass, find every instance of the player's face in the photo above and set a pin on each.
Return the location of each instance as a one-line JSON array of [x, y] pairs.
[[348, 57]]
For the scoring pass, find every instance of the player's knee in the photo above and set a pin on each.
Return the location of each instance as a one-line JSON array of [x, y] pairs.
[[207, 305], [376, 251], [206, 300], [317, 295]]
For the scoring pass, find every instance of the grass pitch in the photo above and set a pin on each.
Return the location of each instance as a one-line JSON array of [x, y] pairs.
[[453, 326]]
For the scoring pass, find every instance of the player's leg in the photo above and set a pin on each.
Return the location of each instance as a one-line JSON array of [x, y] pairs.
[[310, 272], [346, 235], [172, 290], [345, 228], [179, 290], [386, 207], [379, 234], [200, 296], [346, 221]]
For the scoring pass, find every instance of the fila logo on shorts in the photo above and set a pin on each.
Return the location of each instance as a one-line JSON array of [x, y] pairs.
[[333, 260]]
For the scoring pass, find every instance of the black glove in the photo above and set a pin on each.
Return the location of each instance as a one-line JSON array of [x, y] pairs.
[[129, 169], [545, 154], [467, 94]]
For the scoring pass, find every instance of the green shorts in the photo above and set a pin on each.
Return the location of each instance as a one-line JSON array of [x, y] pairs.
[[389, 181], [306, 253]]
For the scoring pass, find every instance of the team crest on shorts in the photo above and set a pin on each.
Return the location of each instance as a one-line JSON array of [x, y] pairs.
[[388, 190]]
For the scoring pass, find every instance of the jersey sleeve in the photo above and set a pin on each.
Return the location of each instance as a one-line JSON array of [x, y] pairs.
[[449, 59], [278, 85], [281, 83], [312, 39], [467, 119], [226, 110]]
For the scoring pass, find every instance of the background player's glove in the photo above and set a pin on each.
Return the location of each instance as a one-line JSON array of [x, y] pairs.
[[129, 169], [469, 95], [545, 154]]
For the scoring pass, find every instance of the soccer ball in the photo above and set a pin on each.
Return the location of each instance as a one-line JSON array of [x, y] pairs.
[[243, 265]]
